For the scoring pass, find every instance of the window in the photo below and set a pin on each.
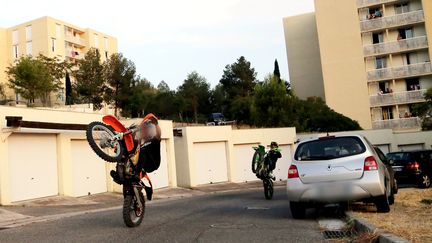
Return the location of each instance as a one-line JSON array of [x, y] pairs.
[[387, 113], [384, 87], [380, 62], [412, 84], [402, 8], [15, 39], [377, 38], [53, 44], [405, 33], [329, 148], [15, 51], [58, 30], [28, 31], [29, 48], [96, 40], [106, 43]]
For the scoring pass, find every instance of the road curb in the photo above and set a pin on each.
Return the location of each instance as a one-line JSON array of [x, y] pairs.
[[362, 225]]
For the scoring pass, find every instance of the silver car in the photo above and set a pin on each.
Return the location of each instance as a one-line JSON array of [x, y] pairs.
[[336, 169]]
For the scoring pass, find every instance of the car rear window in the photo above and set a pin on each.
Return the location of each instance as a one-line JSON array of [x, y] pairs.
[[400, 157], [329, 148]]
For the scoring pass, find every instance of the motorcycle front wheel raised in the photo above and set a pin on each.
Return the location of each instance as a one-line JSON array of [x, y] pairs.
[[101, 139], [133, 214]]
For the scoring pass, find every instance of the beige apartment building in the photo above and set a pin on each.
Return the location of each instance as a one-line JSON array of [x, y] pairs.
[[369, 59], [52, 38]]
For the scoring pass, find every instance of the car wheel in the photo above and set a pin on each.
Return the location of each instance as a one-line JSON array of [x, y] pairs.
[[383, 202], [396, 187], [298, 211], [425, 181]]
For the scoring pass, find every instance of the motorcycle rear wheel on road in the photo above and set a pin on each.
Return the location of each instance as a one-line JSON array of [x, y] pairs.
[[268, 188], [133, 214]]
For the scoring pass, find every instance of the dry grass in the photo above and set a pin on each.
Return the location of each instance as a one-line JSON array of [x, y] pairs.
[[410, 216]]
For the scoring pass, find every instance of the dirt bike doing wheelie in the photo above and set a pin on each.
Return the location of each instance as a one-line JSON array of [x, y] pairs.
[[115, 143], [262, 170]]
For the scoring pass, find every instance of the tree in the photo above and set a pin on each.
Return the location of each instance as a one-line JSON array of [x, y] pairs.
[[163, 87], [140, 98], [69, 96], [56, 72], [2, 91], [35, 78], [424, 111], [238, 82], [276, 71], [89, 79], [272, 106], [119, 74], [195, 90]]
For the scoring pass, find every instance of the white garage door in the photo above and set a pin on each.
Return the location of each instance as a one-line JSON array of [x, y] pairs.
[[385, 148], [281, 171], [159, 177], [211, 162], [243, 154], [33, 166], [89, 171], [411, 147]]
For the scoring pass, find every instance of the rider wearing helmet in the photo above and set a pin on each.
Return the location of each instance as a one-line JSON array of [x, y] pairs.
[[272, 156]]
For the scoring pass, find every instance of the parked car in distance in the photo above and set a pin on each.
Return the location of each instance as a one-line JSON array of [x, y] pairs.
[[336, 169], [413, 167], [216, 119]]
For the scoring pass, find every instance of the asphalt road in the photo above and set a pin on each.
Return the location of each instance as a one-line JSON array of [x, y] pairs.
[[242, 216]]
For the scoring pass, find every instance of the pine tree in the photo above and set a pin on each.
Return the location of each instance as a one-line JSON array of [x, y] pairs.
[[69, 98], [276, 71]]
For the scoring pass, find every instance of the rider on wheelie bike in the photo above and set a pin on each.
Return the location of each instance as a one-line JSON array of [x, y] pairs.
[[271, 158], [147, 156]]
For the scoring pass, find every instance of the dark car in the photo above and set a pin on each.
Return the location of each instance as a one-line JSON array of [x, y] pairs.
[[412, 166], [217, 119]]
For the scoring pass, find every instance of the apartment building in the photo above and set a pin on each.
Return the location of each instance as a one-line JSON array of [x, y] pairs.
[[52, 38], [369, 59]]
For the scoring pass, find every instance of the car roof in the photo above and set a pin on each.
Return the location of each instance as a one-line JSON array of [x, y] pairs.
[[412, 151], [331, 137]]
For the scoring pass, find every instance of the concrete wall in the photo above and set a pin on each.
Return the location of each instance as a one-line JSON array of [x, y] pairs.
[[37, 163], [223, 154], [303, 53]]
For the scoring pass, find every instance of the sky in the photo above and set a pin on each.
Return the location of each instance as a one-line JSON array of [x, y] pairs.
[[167, 39]]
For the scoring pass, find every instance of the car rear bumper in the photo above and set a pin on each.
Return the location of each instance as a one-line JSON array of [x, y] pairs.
[[370, 185]]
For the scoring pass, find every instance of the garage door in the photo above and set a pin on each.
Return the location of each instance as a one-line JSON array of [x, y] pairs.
[[211, 162], [281, 171], [242, 159], [385, 148], [411, 147], [89, 171], [33, 166], [160, 177]]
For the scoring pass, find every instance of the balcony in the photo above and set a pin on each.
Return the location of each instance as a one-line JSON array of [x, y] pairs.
[[368, 3], [75, 40], [397, 98], [74, 54], [406, 45], [398, 124], [392, 21], [413, 70]]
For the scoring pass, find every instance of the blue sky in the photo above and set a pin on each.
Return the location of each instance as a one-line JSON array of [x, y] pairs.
[[167, 39]]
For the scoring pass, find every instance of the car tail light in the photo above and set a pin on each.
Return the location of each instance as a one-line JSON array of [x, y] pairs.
[[413, 166], [293, 172], [370, 164]]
